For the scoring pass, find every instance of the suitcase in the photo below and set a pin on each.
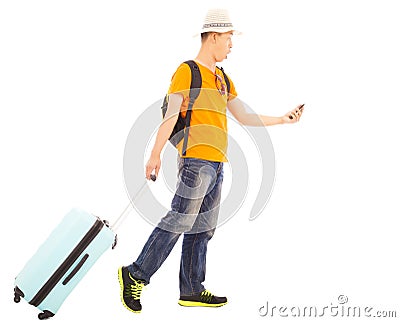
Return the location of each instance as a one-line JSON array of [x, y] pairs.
[[62, 261], [64, 258]]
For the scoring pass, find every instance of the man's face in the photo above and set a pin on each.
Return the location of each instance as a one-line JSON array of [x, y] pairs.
[[223, 45]]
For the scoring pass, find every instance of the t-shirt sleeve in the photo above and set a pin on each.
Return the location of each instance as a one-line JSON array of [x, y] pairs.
[[181, 80]]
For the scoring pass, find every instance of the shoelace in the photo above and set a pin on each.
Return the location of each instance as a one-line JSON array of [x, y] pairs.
[[134, 290], [206, 296]]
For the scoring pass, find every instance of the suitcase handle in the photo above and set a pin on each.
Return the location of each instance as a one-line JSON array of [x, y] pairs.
[[128, 208], [76, 269]]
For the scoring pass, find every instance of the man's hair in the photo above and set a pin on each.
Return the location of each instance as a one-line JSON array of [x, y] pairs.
[[204, 35]]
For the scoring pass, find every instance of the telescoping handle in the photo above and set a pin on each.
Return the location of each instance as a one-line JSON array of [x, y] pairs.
[[128, 208]]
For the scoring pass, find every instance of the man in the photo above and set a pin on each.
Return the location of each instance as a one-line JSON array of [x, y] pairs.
[[195, 206]]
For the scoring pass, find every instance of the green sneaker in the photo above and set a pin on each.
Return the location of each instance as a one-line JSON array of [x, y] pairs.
[[205, 299], [131, 290]]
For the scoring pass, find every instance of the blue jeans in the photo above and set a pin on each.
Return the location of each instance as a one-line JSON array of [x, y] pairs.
[[194, 212]]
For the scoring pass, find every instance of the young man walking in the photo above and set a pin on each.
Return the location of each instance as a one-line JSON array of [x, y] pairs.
[[195, 205]]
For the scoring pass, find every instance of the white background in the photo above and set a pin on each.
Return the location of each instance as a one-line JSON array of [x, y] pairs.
[[76, 74]]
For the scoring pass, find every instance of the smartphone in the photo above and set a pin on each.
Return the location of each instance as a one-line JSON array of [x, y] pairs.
[[300, 108]]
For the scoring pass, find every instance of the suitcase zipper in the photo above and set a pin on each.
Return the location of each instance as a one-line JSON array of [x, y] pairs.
[[68, 262]]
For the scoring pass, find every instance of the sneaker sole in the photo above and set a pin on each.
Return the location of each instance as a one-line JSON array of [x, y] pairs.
[[121, 283], [199, 304]]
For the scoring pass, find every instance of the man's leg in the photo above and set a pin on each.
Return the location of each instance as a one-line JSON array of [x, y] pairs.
[[193, 262], [193, 184], [194, 251], [154, 253], [195, 178]]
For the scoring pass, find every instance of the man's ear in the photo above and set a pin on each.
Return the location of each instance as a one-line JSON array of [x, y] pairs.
[[214, 36]]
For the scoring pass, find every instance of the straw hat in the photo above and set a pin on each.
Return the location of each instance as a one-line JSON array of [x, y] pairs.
[[218, 20]]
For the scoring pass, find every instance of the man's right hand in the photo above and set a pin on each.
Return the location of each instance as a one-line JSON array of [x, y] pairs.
[[153, 164]]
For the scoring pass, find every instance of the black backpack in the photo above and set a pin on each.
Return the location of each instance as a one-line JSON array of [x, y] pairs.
[[182, 125]]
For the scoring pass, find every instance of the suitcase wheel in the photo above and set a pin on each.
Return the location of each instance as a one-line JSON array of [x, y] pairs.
[[18, 294], [45, 315]]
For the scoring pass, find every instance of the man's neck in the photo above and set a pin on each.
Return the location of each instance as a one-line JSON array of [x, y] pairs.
[[206, 60]]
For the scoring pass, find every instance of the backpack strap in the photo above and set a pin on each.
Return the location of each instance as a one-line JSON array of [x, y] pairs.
[[195, 87], [228, 83]]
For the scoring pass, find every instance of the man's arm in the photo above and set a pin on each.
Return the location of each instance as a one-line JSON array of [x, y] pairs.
[[163, 134], [238, 110]]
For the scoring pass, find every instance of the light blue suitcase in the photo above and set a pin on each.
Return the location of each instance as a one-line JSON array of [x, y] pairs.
[[62, 261]]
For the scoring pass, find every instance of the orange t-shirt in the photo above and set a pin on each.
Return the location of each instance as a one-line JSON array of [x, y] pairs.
[[208, 134]]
